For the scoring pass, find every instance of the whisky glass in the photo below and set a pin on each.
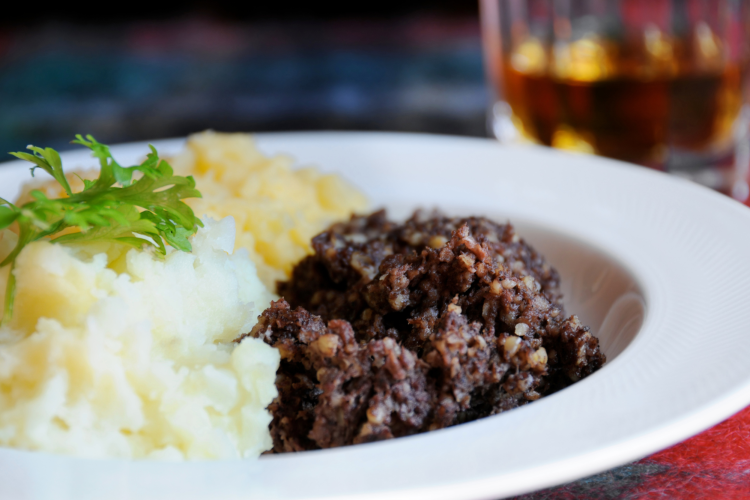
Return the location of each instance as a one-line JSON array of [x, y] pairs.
[[661, 83]]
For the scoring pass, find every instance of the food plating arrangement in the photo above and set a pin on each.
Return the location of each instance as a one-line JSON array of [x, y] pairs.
[[283, 319]]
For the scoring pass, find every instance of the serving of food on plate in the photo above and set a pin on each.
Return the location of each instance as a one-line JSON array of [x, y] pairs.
[[517, 317]]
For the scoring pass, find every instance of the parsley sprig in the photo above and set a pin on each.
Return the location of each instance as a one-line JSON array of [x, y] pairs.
[[115, 207]]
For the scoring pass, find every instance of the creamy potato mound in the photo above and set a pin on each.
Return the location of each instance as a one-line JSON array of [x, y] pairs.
[[114, 352], [278, 209]]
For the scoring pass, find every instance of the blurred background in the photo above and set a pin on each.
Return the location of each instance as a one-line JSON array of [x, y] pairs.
[[144, 71], [156, 70]]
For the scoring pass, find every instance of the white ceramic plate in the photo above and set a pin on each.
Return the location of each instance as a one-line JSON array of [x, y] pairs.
[[657, 266]]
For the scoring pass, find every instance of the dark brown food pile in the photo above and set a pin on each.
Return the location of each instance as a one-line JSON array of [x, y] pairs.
[[404, 328]]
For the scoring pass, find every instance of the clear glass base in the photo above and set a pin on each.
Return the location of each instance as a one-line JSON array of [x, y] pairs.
[[727, 171]]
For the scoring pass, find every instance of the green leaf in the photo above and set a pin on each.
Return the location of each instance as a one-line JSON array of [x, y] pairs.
[[40, 162], [86, 182], [176, 236], [101, 152], [132, 241], [48, 160], [108, 233], [27, 235], [179, 239], [10, 296], [7, 216], [145, 211]]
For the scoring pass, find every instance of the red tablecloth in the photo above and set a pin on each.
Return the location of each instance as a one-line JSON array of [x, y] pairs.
[[713, 464]]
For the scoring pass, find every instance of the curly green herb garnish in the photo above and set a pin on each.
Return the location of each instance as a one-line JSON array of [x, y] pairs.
[[115, 207]]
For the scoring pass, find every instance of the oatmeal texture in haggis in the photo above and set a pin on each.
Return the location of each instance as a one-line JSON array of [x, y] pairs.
[[394, 329]]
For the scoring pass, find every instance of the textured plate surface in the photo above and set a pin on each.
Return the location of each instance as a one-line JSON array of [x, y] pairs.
[[660, 266]]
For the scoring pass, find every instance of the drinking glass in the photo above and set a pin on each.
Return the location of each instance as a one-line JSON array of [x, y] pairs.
[[662, 83]]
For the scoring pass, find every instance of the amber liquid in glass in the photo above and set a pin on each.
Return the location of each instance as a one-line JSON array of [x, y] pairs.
[[622, 115]]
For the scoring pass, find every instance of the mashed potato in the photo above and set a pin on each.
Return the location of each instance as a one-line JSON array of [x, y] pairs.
[[278, 210], [113, 352]]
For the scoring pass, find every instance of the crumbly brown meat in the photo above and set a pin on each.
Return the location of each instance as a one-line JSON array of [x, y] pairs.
[[348, 256], [401, 329]]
